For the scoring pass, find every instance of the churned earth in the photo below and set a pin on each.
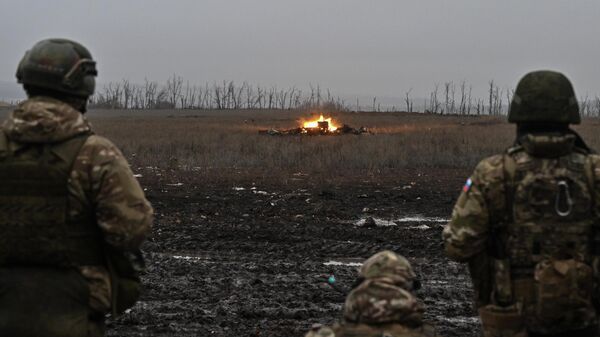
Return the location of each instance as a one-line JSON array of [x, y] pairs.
[[253, 259]]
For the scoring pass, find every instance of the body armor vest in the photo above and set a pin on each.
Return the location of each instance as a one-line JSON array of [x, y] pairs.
[[35, 225], [543, 267], [552, 214]]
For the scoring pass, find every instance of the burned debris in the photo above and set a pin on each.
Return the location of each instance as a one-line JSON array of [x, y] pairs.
[[320, 127]]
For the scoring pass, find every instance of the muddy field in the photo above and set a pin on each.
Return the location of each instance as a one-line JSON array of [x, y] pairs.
[[253, 260], [249, 227]]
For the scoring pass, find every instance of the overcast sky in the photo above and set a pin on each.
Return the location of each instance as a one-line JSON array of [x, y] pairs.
[[366, 47]]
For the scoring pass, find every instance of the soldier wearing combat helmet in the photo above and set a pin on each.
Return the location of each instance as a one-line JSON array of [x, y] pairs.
[[527, 221], [72, 216], [383, 303]]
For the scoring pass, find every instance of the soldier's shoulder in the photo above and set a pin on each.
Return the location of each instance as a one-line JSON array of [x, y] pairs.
[[490, 169], [100, 150], [96, 141]]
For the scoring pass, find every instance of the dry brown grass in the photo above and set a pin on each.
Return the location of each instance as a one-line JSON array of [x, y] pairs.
[[224, 142]]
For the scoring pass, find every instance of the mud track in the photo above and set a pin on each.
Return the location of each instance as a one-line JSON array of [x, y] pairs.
[[253, 260]]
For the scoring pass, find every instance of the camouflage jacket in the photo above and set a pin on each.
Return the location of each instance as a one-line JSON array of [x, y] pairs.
[[469, 236], [481, 201], [382, 301], [100, 180], [365, 330]]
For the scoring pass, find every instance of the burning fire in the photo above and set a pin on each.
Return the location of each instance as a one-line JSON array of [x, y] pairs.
[[321, 123]]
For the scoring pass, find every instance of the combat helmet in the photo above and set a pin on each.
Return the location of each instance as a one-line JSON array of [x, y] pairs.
[[544, 97], [385, 293], [387, 264], [59, 65]]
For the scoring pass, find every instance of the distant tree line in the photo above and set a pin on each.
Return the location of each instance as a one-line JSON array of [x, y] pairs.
[[180, 94], [448, 98], [458, 100]]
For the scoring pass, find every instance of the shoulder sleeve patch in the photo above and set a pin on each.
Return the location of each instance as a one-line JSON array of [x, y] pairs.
[[468, 185]]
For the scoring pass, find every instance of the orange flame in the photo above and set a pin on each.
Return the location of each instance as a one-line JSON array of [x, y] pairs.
[[315, 123]]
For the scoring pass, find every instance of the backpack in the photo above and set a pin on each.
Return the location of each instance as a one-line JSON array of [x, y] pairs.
[[547, 241]]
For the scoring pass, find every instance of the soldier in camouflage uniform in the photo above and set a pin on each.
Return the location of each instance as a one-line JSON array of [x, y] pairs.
[[527, 221], [383, 303], [72, 216]]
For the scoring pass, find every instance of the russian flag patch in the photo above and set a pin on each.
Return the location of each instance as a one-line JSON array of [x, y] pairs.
[[468, 185]]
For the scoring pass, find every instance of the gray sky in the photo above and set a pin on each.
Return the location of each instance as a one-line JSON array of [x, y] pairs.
[[366, 47]]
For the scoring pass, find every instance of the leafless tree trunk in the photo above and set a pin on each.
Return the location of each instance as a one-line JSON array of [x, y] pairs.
[[174, 87], [584, 106], [408, 101], [491, 97]]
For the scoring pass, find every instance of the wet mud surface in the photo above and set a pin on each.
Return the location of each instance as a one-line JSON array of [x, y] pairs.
[[253, 260]]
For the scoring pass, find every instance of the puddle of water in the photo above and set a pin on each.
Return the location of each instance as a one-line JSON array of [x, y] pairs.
[[421, 227], [340, 263], [378, 222], [419, 218], [394, 222], [189, 258], [436, 282], [460, 319]]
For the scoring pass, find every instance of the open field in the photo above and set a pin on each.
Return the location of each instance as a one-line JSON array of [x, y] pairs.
[[226, 144], [249, 227]]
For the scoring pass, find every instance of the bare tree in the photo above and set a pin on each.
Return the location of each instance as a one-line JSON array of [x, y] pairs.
[[584, 105], [408, 101], [174, 87], [491, 98], [434, 103]]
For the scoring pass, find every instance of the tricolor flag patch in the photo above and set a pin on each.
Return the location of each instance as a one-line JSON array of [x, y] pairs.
[[467, 186]]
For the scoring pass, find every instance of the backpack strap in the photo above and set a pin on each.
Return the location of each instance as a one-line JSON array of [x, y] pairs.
[[589, 169], [503, 292], [498, 225], [509, 168], [68, 150]]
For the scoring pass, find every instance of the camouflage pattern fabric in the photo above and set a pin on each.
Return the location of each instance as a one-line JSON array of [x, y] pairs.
[[365, 330], [377, 301], [385, 294], [382, 304], [549, 230], [100, 180], [387, 264]]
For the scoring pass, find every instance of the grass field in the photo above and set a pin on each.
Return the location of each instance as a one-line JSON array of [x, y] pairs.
[[226, 144]]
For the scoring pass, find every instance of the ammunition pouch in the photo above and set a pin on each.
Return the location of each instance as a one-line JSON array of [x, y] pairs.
[[563, 296], [124, 269], [499, 321]]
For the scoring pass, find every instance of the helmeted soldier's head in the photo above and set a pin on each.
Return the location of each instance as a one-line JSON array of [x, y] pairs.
[[387, 264], [58, 68], [544, 97], [385, 293]]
